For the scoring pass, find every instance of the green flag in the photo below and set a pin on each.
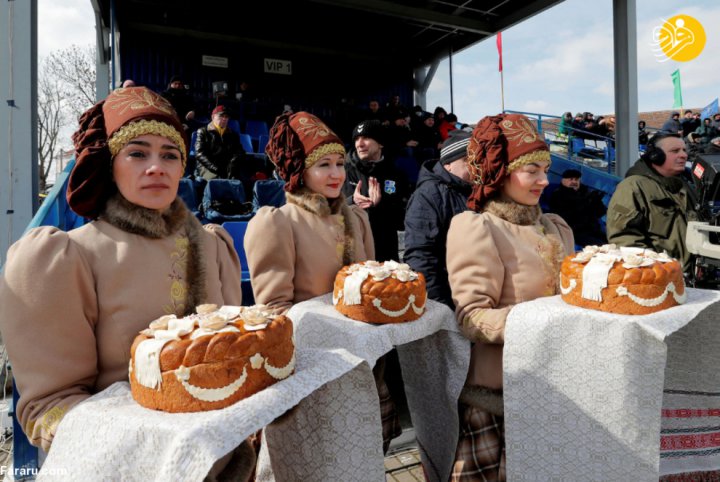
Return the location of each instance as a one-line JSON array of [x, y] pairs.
[[678, 90]]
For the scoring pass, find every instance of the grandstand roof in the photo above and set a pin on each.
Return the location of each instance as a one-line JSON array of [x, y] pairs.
[[408, 31]]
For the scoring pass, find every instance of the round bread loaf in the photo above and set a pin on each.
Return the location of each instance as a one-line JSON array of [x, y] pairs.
[[210, 360], [375, 292], [629, 281]]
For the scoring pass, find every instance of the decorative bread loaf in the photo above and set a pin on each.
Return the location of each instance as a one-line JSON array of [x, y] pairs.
[[211, 359], [630, 281], [374, 292]]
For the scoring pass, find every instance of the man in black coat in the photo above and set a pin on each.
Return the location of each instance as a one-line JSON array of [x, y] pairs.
[[374, 184], [442, 191], [218, 149], [580, 208]]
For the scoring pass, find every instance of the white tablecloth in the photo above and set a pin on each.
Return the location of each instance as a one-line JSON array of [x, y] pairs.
[[110, 437], [584, 389], [434, 358]]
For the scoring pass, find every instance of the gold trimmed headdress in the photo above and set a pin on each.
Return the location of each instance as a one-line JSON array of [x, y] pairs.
[[499, 145], [104, 130]]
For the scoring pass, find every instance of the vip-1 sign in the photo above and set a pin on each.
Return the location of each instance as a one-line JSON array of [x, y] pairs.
[[276, 66]]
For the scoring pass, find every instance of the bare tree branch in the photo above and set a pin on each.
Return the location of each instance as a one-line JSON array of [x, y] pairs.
[[66, 88]]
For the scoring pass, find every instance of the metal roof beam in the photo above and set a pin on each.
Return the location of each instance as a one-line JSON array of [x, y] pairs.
[[392, 9]]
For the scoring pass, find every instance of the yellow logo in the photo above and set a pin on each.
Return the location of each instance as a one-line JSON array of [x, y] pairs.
[[680, 38]]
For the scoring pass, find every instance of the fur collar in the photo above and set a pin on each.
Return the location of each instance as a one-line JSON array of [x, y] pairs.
[[513, 212], [135, 219], [314, 202], [321, 206]]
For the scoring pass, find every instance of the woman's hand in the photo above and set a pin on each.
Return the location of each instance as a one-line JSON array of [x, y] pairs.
[[363, 201]]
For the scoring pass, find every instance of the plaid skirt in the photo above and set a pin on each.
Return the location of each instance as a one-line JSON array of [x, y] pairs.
[[480, 454], [388, 414]]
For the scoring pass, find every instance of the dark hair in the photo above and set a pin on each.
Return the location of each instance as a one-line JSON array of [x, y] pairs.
[[571, 174]]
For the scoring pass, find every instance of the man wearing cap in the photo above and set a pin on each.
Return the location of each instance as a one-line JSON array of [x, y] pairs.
[[672, 125], [218, 148], [375, 185], [442, 192], [580, 208]]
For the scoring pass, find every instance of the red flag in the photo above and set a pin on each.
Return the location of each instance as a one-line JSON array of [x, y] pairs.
[[499, 47]]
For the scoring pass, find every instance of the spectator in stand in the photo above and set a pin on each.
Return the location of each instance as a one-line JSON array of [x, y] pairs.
[[128, 83], [427, 136], [374, 184], [439, 115], [442, 192], [395, 109], [578, 126], [565, 124], [713, 147], [716, 121], [373, 112], [218, 150], [181, 100], [580, 208], [399, 136], [448, 124], [689, 123], [672, 125], [642, 133], [246, 93], [652, 205], [704, 134]]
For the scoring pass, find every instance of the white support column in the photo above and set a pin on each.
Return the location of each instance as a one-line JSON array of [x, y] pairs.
[[422, 82], [18, 119], [626, 86]]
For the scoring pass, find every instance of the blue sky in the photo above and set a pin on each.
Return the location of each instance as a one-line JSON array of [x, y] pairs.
[[559, 60], [562, 60]]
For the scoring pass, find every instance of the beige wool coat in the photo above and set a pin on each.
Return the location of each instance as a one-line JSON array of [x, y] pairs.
[[71, 303], [503, 256], [294, 252]]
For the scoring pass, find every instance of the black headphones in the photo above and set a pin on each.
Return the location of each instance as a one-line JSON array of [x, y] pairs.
[[654, 154]]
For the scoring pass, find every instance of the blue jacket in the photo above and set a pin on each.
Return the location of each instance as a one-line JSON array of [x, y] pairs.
[[438, 197]]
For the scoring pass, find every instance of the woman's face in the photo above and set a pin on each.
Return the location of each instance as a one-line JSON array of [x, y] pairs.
[[326, 176], [526, 183], [147, 171]]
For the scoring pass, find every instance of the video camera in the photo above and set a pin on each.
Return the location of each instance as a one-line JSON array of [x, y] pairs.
[[703, 236]]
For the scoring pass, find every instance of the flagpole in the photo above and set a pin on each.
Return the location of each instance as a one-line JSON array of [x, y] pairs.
[[502, 92], [498, 41]]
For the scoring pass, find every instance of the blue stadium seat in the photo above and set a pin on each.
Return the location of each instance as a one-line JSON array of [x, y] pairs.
[[246, 142], [256, 128], [268, 192], [186, 191], [262, 142], [224, 200], [237, 230], [234, 126]]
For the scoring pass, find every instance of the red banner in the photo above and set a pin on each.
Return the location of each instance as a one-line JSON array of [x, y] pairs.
[[499, 47]]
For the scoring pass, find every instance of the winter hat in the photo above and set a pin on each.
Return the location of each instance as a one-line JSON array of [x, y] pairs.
[[571, 174], [297, 141], [107, 127], [455, 146], [370, 128], [499, 145]]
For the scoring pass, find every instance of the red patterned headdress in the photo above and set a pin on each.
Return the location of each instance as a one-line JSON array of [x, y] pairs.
[[297, 141], [499, 145], [104, 130]]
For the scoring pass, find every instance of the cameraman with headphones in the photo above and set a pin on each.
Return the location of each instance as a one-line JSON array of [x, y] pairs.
[[652, 205]]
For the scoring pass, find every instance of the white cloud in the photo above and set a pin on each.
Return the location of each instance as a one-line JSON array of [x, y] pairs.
[[61, 24]]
